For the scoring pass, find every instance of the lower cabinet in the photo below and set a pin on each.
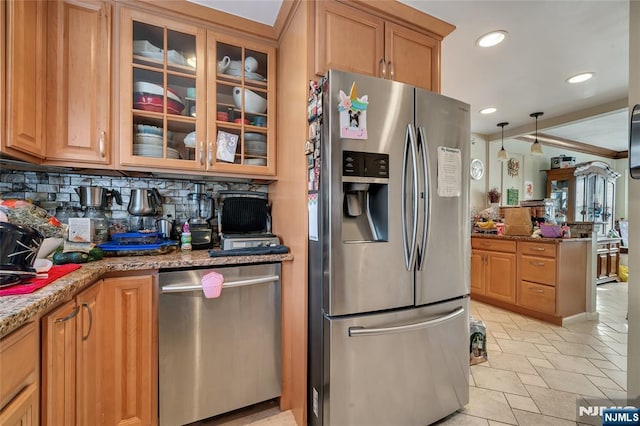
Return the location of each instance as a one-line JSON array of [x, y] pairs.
[[608, 260], [72, 361], [493, 269], [130, 342], [19, 394]]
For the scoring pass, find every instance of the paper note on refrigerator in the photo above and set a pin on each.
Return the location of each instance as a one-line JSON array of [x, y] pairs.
[[449, 172], [312, 205]]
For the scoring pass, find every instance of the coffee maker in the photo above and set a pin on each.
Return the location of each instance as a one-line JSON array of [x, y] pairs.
[[201, 211]]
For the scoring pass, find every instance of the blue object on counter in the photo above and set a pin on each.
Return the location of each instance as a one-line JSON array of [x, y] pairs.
[[250, 251], [113, 246]]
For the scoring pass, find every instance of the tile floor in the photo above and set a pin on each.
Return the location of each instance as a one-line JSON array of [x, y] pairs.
[[535, 371]]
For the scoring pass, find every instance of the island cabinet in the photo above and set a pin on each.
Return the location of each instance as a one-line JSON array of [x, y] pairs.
[[25, 75], [187, 102], [369, 41], [549, 281], [79, 83], [19, 396], [493, 269], [72, 356]]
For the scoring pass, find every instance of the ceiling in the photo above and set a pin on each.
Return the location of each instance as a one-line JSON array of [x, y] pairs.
[[548, 41]]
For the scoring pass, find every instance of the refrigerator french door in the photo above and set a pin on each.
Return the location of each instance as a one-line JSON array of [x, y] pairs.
[[389, 270]]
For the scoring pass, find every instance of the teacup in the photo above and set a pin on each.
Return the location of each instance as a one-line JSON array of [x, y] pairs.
[[250, 64], [235, 65], [223, 64]]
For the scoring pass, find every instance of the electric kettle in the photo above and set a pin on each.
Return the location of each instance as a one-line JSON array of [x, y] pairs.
[[144, 202]]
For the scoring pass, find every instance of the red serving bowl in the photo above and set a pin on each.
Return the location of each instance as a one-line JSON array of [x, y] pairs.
[[222, 116], [155, 103], [239, 121]]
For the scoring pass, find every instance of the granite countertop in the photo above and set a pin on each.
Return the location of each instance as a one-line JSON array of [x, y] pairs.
[[529, 238], [17, 310]]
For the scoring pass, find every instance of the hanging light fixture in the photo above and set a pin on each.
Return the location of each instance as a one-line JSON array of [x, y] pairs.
[[502, 154], [536, 147]]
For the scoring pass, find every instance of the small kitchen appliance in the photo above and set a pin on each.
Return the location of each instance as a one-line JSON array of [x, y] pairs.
[[244, 220], [143, 206], [95, 201], [201, 211]]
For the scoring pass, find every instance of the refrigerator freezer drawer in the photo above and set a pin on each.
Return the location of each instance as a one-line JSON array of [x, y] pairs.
[[408, 367]]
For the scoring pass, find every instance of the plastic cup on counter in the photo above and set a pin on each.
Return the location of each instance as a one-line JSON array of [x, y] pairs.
[[500, 228]]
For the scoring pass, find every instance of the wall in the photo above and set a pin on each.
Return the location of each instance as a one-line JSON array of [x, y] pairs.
[[633, 351], [478, 188], [40, 186]]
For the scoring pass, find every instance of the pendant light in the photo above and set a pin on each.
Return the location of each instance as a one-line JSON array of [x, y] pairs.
[[536, 147], [502, 154]]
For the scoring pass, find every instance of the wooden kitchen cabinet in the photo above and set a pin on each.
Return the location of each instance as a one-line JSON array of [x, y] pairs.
[[493, 272], [170, 101], [19, 382], [130, 384], [608, 260], [72, 369], [25, 79], [383, 49], [79, 83]]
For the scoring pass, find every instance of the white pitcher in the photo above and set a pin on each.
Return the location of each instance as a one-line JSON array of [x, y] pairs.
[[223, 64]]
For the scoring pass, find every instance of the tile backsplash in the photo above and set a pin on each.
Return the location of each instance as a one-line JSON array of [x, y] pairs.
[[45, 189]]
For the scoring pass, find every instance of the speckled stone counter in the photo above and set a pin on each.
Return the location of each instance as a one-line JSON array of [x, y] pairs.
[[17, 310], [528, 238]]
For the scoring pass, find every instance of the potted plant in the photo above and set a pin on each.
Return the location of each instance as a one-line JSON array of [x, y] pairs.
[[494, 195]]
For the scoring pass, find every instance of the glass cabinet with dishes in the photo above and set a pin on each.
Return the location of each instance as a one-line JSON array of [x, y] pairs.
[[241, 128], [191, 100]]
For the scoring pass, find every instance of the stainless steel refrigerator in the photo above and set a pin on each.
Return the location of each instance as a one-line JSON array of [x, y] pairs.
[[389, 254]]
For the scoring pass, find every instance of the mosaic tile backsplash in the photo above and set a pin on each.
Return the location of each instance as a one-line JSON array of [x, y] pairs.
[[51, 189]]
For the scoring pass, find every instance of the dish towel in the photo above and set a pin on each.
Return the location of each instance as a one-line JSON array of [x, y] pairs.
[[212, 284], [33, 284]]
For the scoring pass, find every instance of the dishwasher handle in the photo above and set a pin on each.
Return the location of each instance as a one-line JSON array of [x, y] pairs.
[[181, 288], [362, 331]]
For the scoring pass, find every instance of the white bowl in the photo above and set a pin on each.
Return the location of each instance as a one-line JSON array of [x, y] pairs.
[[253, 103], [48, 246]]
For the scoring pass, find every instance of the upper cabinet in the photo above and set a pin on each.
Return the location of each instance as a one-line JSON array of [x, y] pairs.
[[384, 48], [25, 79], [191, 99], [79, 82]]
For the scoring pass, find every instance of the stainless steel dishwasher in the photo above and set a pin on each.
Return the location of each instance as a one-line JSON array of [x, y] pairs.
[[217, 355]]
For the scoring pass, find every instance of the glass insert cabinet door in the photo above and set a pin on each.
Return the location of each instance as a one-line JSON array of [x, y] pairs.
[[242, 130], [595, 195], [163, 65]]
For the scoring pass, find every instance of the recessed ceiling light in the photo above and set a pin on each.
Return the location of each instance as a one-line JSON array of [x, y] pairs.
[[579, 78], [489, 110], [492, 38]]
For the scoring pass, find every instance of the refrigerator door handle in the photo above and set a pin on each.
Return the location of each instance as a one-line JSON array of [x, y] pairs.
[[422, 149], [362, 331], [409, 148]]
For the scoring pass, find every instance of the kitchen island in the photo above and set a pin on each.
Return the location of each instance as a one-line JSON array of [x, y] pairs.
[[544, 278]]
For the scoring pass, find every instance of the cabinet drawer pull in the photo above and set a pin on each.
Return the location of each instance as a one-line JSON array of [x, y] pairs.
[[534, 263], [70, 316], [86, 305], [201, 153], [391, 70], [538, 248], [101, 144], [536, 290], [383, 68]]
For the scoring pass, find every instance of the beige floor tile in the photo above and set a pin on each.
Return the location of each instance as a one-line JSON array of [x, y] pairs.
[[494, 423], [604, 349], [620, 377], [531, 379], [554, 403], [512, 362], [615, 394], [574, 364], [577, 349], [603, 382], [500, 317], [548, 349], [604, 364], [493, 348], [537, 362], [527, 336], [489, 404], [282, 419], [618, 360], [552, 336], [494, 326], [585, 339], [521, 403], [471, 381], [498, 380], [500, 335], [461, 419], [520, 348], [569, 382], [526, 418], [620, 348]]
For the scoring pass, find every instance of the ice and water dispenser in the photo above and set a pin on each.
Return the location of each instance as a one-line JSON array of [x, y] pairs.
[[365, 188]]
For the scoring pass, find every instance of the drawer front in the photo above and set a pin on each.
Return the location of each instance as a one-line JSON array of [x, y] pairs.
[[18, 352], [538, 269], [538, 297], [493, 244], [538, 249]]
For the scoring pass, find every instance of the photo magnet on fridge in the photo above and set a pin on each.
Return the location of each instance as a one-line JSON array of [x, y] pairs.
[[353, 114]]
